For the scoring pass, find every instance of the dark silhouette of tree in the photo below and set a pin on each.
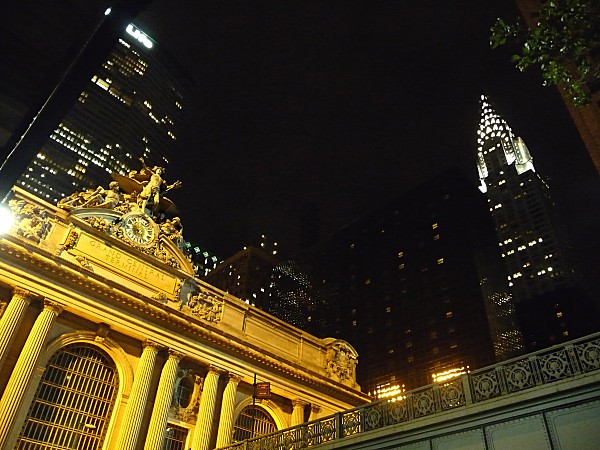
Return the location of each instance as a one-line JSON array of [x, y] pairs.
[[564, 44]]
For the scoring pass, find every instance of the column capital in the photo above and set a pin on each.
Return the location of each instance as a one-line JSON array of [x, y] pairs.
[[21, 293], [175, 354], [52, 306], [152, 345], [214, 369], [299, 402], [234, 377]]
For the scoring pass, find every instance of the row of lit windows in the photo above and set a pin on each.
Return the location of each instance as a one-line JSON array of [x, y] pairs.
[[521, 247], [97, 159]]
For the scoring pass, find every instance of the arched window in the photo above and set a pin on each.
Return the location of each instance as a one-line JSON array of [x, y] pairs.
[[253, 421], [73, 402]]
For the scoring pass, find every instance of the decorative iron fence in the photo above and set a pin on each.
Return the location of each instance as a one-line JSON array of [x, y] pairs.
[[535, 369]]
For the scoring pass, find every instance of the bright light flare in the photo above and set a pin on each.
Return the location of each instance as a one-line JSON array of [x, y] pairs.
[[7, 219]]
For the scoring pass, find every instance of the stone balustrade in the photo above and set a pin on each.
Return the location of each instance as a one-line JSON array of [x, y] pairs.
[[561, 362]]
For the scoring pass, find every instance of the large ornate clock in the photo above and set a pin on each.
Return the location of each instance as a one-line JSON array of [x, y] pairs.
[[139, 229]]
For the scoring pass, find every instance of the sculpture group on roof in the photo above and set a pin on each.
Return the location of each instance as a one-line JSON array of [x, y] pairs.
[[142, 192]]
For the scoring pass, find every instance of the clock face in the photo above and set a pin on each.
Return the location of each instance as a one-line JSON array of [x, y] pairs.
[[139, 229]]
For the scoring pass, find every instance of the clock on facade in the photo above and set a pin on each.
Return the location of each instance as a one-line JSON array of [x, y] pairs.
[[139, 229]]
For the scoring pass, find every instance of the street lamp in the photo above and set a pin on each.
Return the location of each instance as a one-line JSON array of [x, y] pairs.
[[6, 218]]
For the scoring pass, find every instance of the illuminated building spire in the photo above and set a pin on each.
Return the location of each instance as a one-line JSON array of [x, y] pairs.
[[497, 146], [539, 275]]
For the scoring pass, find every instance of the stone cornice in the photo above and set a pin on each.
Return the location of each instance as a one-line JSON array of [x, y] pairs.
[[68, 275]]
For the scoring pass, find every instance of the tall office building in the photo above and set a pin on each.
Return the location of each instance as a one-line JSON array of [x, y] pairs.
[[417, 286], [284, 289], [550, 307], [131, 108], [247, 275]]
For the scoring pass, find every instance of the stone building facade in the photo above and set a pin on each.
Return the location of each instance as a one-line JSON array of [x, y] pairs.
[[108, 340]]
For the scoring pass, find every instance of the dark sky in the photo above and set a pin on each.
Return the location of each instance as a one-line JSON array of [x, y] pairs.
[[306, 109]]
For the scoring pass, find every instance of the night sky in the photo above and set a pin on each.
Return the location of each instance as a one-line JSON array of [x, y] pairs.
[[328, 109], [306, 112]]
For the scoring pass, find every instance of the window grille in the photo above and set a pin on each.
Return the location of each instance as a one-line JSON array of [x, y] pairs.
[[253, 421], [183, 392], [73, 402], [175, 438]]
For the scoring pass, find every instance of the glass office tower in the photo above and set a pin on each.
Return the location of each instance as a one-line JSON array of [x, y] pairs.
[[131, 108]]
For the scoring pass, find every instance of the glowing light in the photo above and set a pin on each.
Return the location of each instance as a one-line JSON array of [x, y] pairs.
[[391, 392], [107, 12], [449, 374], [6, 219], [139, 35]]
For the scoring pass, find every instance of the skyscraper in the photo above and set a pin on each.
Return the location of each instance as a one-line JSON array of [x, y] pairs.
[[284, 289], [539, 276], [131, 108], [246, 275], [417, 286]]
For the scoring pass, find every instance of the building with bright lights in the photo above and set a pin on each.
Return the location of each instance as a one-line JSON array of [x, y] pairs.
[[109, 340], [284, 289], [131, 107], [551, 308], [417, 286], [203, 260], [247, 275]]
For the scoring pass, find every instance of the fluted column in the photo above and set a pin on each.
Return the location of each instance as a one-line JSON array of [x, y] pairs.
[[164, 395], [298, 411], [24, 368], [11, 320], [206, 410], [132, 420], [226, 419]]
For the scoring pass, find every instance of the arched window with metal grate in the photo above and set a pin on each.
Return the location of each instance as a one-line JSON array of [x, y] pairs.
[[253, 421], [73, 402]]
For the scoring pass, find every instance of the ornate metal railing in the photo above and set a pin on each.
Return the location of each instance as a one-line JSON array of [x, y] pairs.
[[535, 369]]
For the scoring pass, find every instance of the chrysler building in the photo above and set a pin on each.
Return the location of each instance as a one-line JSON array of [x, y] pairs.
[[520, 203]]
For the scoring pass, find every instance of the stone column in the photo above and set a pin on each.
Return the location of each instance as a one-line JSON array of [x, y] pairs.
[[206, 410], [24, 368], [164, 395], [11, 320], [226, 419], [132, 419], [298, 411]]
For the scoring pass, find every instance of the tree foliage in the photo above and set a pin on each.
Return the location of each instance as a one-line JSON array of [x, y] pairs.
[[565, 44]]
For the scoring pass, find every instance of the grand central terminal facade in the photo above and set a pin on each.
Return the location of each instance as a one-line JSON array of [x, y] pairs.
[[108, 340]]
